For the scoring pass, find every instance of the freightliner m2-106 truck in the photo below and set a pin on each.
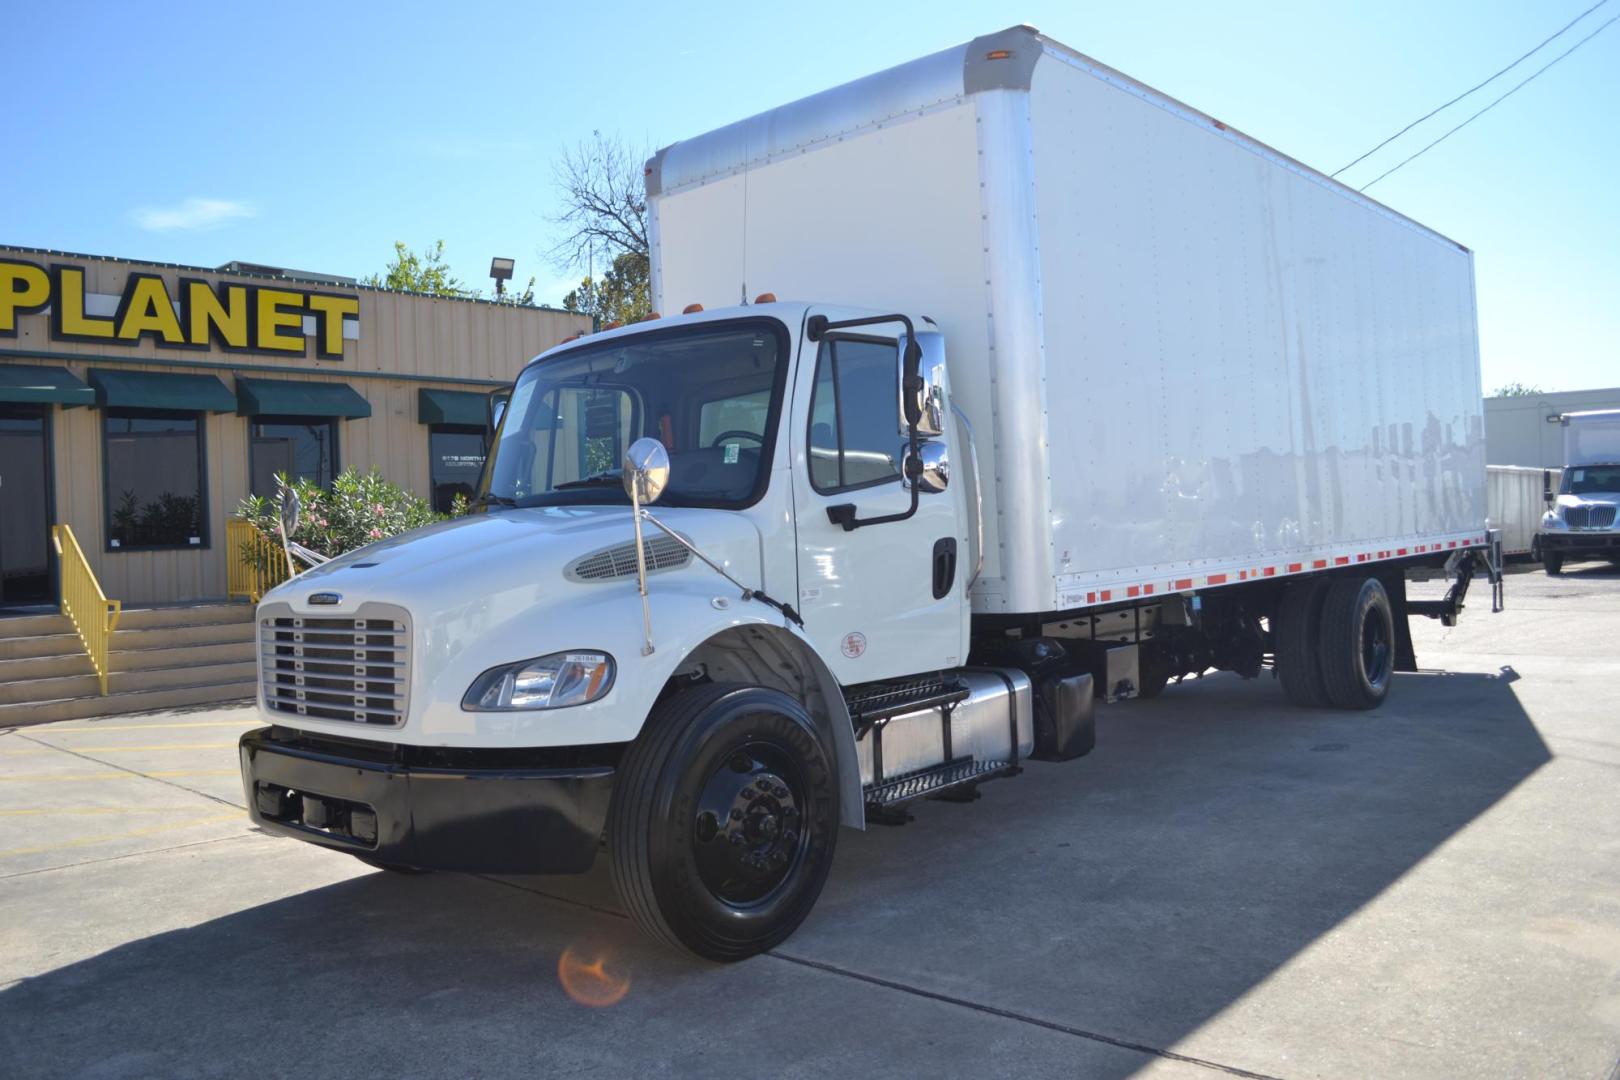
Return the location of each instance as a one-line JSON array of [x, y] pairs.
[[1580, 519], [1071, 390]]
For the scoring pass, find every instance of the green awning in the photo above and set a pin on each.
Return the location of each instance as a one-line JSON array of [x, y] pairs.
[[44, 386], [154, 390], [452, 407], [266, 397]]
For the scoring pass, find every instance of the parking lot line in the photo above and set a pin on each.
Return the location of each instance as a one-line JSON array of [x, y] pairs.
[[149, 727], [45, 811], [46, 748], [107, 838], [122, 774]]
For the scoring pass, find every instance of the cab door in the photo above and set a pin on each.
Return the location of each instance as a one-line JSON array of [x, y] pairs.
[[887, 599]]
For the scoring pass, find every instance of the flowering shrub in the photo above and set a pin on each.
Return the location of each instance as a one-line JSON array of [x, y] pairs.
[[359, 510]]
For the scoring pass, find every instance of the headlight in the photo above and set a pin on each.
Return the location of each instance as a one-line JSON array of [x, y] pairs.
[[547, 682]]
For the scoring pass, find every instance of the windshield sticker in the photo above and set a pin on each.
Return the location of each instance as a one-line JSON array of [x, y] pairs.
[[732, 450], [1580, 474]]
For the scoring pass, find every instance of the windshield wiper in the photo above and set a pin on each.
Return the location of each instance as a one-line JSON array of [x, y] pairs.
[[489, 497], [613, 479]]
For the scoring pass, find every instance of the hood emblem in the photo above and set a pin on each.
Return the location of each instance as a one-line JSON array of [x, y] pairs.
[[325, 599]]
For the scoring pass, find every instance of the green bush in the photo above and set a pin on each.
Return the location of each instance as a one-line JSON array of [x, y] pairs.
[[359, 510]]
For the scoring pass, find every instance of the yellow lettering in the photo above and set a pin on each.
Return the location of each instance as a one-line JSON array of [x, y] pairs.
[[275, 319], [206, 315], [329, 314], [147, 309], [24, 288], [71, 321]]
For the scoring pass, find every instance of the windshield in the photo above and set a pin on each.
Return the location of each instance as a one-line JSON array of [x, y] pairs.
[[1591, 478], [710, 393]]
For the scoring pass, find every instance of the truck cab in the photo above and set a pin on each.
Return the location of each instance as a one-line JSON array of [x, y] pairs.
[[1580, 521]]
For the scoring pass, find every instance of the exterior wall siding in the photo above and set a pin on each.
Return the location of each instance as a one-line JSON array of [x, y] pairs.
[[406, 342]]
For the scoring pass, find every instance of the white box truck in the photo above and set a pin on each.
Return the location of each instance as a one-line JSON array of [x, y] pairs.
[[1580, 519], [1071, 390]]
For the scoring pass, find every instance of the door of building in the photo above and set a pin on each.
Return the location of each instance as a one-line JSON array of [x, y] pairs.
[[25, 510]]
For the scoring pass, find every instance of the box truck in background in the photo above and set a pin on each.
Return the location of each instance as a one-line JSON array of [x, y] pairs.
[[1071, 390], [1580, 519]]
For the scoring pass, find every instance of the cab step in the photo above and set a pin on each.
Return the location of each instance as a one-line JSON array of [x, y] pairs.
[[881, 799]]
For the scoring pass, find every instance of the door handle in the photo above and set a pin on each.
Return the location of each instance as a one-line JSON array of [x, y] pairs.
[[944, 566]]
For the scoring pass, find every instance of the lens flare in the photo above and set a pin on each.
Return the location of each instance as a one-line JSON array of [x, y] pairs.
[[591, 983]]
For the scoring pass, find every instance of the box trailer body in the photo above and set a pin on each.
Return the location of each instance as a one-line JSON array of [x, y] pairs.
[[1071, 391], [1190, 358], [1582, 518]]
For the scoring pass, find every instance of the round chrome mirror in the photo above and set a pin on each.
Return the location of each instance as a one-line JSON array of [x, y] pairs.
[[646, 466], [935, 475], [290, 509]]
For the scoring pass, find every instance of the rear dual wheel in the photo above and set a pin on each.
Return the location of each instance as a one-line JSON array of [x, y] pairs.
[[723, 821], [1335, 643]]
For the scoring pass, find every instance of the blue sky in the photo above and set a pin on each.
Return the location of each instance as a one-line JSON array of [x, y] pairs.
[[315, 135]]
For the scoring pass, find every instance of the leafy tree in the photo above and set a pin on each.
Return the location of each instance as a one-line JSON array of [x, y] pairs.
[[620, 296], [604, 199], [1517, 389], [424, 273]]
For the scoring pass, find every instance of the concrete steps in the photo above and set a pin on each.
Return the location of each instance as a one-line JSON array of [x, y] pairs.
[[161, 658]]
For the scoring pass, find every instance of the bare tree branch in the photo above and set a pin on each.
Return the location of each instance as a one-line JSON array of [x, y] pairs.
[[604, 202]]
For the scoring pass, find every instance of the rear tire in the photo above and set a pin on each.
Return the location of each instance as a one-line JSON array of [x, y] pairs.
[[1295, 642], [1552, 561], [724, 819], [1358, 643]]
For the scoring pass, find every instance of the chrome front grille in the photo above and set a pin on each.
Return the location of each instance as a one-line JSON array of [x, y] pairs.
[[1590, 516], [355, 669]]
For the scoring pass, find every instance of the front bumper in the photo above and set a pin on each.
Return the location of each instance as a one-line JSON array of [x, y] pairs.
[[1576, 541], [495, 811]]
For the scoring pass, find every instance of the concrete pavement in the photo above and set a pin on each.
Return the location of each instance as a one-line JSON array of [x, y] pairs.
[[1227, 886]]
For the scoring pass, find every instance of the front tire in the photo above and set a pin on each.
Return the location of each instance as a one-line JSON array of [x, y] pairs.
[[1358, 643], [724, 820], [1552, 561]]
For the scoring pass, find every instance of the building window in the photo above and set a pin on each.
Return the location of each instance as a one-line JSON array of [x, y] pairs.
[[854, 415], [303, 447], [456, 457], [154, 479]]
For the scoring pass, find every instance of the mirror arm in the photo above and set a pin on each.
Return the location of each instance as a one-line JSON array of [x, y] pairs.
[[747, 593]]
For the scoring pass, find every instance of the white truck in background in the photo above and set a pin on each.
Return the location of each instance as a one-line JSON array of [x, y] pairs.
[[1580, 519], [1071, 390]]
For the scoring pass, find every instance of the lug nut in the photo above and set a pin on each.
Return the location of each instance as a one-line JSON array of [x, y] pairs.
[[736, 813], [749, 793], [790, 837]]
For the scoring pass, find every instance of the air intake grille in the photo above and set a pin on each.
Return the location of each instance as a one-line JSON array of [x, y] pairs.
[[663, 553], [1591, 516], [355, 669]]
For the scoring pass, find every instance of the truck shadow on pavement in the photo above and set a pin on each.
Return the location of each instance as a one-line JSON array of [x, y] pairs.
[[1118, 902]]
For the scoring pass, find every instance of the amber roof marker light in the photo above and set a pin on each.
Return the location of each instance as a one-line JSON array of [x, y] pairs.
[[998, 54], [691, 309], [765, 298]]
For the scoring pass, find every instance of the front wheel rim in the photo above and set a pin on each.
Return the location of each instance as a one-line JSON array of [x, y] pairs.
[[748, 832]]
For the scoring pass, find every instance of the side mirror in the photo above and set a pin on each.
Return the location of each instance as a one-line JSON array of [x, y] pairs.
[[291, 508], [646, 471], [498, 401], [930, 470], [1546, 487], [922, 383]]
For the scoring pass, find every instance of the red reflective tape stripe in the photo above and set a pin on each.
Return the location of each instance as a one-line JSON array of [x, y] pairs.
[[1218, 579], [1318, 564], [1091, 598], [1134, 590], [1294, 567], [1148, 589], [1107, 594], [1339, 560], [1184, 583], [1271, 571], [1400, 551]]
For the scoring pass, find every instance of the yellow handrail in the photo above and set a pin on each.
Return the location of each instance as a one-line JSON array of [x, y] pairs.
[[256, 563], [94, 616]]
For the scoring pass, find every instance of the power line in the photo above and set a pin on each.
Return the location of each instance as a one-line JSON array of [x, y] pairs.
[[1493, 104], [1471, 89]]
